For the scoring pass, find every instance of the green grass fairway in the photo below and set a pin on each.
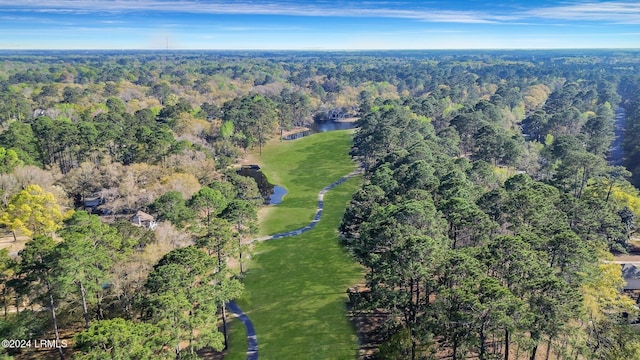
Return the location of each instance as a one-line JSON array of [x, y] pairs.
[[303, 167], [295, 292], [295, 289]]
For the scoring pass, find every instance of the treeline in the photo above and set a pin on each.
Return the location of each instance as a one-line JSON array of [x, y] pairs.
[[125, 292], [464, 264], [144, 107], [441, 133], [630, 89], [64, 137]]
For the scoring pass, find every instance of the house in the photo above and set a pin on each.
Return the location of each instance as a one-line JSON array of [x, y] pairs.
[[92, 202], [336, 114], [141, 218], [631, 275]]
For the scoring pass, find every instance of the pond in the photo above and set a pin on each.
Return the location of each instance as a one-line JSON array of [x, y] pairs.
[[272, 194], [322, 126]]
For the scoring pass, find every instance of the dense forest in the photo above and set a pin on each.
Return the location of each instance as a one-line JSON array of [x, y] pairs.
[[486, 221], [465, 261]]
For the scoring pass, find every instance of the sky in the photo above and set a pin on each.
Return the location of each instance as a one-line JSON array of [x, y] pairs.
[[318, 25]]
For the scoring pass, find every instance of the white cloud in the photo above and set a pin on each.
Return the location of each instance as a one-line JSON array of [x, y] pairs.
[[259, 28], [327, 9], [610, 12], [110, 22], [607, 11]]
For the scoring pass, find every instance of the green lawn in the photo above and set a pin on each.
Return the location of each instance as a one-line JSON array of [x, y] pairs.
[[295, 290], [303, 167]]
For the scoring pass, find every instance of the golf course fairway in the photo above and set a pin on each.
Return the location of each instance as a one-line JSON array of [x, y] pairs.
[[303, 167], [295, 288]]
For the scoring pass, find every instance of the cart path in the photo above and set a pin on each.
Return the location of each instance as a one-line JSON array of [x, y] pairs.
[[252, 338]]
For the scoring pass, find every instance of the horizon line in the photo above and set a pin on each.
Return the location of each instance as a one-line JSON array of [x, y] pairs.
[[321, 50]]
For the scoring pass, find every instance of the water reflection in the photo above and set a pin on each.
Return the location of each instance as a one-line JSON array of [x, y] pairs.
[[278, 193], [322, 126], [298, 135], [272, 194]]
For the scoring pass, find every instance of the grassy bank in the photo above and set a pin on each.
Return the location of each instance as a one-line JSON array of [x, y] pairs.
[[296, 287]]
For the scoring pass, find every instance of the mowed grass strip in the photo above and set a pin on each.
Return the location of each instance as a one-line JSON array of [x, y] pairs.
[[295, 289], [295, 292], [303, 167]]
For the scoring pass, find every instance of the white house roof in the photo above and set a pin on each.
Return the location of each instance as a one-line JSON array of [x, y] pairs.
[[143, 216]]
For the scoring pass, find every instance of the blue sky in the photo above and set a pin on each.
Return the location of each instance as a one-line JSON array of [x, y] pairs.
[[318, 25]]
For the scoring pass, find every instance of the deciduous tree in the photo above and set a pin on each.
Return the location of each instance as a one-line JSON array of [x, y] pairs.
[[33, 211]]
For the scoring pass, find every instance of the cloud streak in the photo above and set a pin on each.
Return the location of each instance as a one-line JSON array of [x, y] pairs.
[[286, 8], [611, 12], [625, 12]]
